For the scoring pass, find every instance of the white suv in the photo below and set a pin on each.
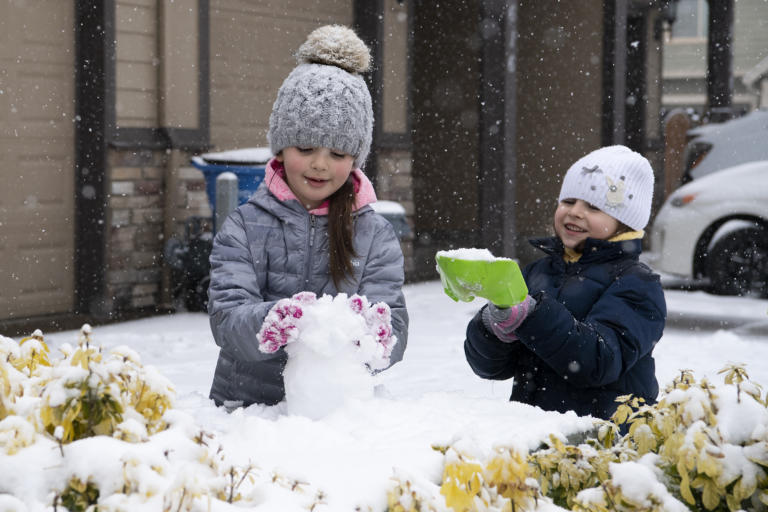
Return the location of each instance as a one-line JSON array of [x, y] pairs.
[[714, 230]]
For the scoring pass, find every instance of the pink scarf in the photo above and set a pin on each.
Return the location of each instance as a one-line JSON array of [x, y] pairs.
[[275, 178]]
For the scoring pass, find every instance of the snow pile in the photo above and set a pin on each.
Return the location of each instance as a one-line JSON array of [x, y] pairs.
[[332, 344], [95, 427]]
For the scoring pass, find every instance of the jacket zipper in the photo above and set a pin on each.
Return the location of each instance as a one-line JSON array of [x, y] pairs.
[[308, 264]]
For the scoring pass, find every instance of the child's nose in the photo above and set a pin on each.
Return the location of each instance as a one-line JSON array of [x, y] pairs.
[[319, 162], [578, 209]]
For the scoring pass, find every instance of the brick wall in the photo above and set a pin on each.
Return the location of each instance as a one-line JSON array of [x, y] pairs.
[[394, 183], [136, 233]]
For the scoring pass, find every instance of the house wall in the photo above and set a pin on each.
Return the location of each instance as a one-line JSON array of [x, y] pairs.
[[560, 103], [137, 60], [153, 195], [392, 131], [428, 131], [37, 196], [445, 91], [252, 47], [150, 112], [685, 60]]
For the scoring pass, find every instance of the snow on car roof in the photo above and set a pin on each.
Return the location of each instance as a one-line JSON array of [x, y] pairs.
[[740, 140]]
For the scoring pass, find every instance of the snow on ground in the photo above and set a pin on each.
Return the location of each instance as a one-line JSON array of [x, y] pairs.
[[431, 397], [181, 345]]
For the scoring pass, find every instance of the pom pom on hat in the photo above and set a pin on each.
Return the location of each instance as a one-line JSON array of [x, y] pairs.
[[614, 179], [324, 101], [335, 45]]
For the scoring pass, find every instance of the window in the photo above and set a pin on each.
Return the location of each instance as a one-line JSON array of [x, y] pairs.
[[691, 21]]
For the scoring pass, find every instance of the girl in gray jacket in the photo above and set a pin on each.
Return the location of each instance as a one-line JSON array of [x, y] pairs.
[[309, 226]]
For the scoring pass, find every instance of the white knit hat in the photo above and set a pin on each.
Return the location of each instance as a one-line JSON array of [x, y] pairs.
[[324, 101], [615, 179]]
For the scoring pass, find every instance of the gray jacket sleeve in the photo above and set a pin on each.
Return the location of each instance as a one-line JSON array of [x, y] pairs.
[[382, 281], [235, 303]]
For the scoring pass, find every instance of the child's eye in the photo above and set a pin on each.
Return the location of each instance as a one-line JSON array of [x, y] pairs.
[[568, 201], [336, 154], [592, 207], [305, 150]]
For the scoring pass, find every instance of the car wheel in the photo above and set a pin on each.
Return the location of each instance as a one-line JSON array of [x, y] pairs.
[[738, 263]]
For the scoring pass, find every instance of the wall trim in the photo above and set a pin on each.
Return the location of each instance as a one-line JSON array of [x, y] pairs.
[[95, 121]]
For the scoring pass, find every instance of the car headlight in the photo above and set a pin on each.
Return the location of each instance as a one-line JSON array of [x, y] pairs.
[[682, 200]]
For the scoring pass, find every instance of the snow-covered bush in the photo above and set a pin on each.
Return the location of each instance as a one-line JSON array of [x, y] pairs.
[[86, 393], [700, 447], [91, 428]]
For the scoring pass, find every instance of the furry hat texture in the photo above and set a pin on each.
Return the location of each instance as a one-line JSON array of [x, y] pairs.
[[324, 101], [615, 179]]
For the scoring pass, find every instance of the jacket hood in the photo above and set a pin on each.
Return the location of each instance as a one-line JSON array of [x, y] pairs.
[[275, 182]]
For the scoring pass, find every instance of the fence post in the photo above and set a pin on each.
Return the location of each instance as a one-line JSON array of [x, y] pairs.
[[226, 197], [676, 126]]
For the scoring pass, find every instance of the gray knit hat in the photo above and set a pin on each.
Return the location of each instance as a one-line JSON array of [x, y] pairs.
[[615, 179], [325, 102]]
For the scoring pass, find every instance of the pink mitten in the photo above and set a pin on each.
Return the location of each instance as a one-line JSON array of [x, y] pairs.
[[279, 327], [503, 322], [378, 319]]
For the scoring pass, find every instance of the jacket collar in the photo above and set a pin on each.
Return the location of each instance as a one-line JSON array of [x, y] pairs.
[[594, 250], [275, 180]]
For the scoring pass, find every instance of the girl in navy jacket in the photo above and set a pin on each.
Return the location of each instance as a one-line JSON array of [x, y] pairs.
[[585, 333]]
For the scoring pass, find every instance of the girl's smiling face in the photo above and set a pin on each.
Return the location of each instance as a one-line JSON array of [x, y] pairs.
[[576, 220], [314, 174]]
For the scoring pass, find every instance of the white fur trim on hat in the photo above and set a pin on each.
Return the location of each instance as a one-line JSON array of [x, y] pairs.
[[324, 101], [616, 180]]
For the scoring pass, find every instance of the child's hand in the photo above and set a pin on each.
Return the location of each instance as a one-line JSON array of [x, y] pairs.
[[499, 280], [279, 327], [503, 322]]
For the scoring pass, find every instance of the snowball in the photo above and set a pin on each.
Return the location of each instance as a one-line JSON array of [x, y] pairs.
[[330, 351]]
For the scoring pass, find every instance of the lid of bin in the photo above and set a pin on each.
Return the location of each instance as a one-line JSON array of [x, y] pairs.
[[388, 208], [245, 156]]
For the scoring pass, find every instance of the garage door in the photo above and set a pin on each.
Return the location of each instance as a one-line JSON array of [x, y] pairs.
[[36, 157]]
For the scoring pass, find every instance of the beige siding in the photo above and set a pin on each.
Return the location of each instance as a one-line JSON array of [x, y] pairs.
[[36, 158], [136, 68], [252, 45], [685, 58], [179, 76], [750, 34], [395, 68]]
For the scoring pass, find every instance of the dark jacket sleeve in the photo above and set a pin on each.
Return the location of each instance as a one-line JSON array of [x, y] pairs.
[[382, 281], [489, 357], [623, 326]]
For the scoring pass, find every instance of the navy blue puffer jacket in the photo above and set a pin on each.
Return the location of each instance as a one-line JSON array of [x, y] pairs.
[[590, 337]]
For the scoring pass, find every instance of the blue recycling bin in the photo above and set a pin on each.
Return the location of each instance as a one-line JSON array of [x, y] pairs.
[[248, 164]]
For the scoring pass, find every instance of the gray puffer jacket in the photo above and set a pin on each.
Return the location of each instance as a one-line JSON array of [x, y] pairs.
[[269, 249]]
